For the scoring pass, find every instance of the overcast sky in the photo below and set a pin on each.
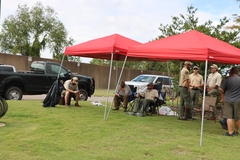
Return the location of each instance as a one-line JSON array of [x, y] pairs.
[[136, 19]]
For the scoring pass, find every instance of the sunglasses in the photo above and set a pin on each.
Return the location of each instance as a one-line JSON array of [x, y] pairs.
[[195, 69]]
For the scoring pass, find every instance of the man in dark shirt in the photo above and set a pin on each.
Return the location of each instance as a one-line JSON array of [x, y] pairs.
[[230, 91]]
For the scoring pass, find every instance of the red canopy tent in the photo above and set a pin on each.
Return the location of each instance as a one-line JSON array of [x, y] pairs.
[[102, 48], [191, 45], [113, 47]]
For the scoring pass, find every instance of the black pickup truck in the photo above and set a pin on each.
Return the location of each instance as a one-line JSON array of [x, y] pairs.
[[42, 74]]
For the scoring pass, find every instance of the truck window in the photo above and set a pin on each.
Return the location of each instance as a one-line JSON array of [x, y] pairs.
[[166, 81], [54, 69], [159, 80], [144, 79], [37, 67], [6, 69]]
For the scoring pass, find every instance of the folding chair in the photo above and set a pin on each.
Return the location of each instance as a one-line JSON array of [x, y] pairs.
[[130, 102], [152, 106], [209, 107], [158, 102]]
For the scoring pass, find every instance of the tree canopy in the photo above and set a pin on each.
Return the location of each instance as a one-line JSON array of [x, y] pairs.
[[184, 23], [32, 30]]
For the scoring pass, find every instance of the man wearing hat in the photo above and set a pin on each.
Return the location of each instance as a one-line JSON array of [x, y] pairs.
[[213, 83], [196, 83], [148, 96], [71, 87], [123, 92], [184, 90]]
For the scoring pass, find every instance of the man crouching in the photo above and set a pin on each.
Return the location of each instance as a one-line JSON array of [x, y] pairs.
[[71, 87]]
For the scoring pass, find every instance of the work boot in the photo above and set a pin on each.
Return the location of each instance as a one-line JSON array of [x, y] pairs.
[[77, 105]]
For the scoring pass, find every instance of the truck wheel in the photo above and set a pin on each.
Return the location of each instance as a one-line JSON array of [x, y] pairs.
[[13, 93], [83, 95]]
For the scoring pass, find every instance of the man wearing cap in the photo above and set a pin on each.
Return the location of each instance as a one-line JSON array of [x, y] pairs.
[[213, 82], [184, 90], [148, 96], [196, 83], [123, 92], [71, 87]]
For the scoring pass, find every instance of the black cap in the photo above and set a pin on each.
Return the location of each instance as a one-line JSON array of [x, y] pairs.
[[150, 84]]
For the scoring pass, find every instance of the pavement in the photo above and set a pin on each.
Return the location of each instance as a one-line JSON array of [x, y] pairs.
[[42, 97]]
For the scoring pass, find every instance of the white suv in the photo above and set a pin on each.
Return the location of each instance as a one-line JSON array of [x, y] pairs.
[[139, 83]]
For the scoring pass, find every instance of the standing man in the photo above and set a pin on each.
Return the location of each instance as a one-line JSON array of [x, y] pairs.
[[230, 89], [184, 90], [123, 92], [196, 83], [213, 83]]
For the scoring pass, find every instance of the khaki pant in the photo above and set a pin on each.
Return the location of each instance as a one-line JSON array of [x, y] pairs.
[[117, 99], [185, 98], [194, 96]]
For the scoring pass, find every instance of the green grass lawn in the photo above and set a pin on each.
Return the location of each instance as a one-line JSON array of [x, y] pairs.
[[103, 92], [60, 133]]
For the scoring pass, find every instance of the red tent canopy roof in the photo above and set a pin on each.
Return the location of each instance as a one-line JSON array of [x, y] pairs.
[[103, 47], [191, 45]]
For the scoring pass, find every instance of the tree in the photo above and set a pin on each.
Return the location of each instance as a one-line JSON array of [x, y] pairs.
[[31, 31], [188, 22], [184, 23]]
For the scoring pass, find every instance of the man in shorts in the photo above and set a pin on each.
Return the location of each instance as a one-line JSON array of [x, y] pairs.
[[230, 91], [71, 87]]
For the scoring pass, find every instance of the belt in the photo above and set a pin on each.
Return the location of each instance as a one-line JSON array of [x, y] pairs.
[[182, 87], [195, 89]]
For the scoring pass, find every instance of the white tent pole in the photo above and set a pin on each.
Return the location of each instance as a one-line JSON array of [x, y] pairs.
[[170, 82], [60, 66], [117, 85], [203, 102], [109, 81]]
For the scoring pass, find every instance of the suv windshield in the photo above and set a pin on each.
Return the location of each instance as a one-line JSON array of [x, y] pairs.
[[144, 79]]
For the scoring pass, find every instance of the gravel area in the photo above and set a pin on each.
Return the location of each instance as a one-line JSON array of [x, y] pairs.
[[41, 97]]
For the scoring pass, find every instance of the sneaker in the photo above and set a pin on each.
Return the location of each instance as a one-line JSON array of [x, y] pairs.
[[228, 134], [224, 126], [235, 133], [139, 115], [179, 118], [191, 118], [182, 118], [77, 105], [130, 113]]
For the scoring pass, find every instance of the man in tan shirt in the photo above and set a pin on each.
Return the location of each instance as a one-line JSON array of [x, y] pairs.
[[149, 95], [71, 87], [196, 83], [213, 83], [184, 90]]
